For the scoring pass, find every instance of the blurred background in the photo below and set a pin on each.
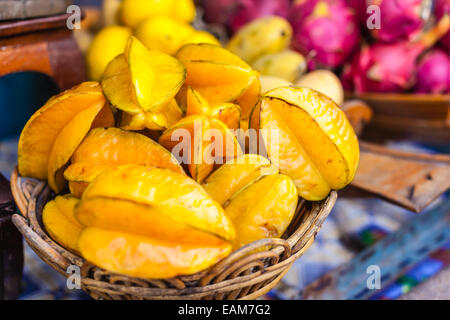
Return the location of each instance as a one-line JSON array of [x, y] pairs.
[[392, 56]]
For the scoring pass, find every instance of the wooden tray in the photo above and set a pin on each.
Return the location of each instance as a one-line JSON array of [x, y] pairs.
[[422, 118]]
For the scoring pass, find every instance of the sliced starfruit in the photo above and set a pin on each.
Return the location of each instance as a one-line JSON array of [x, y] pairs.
[[311, 140], [263, 210], [81, 106], [142, 80], [262, 36], [60, 222], [236, 175], [147, 257], [228, 113], [106, 148], [169, 194], [201, 142], [217, 74]]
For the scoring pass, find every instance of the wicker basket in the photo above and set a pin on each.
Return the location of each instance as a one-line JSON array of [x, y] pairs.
[[245, 274]]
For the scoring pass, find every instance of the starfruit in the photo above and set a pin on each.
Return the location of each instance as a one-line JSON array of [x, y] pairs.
[[157, 121], [143, 82], [106, 148], [217, 74], [237, 174], [249, 99], [162, 193], [147, 257], [263, 210], [60, 222], [151, 223], [53, 133], [228, 113], [201, 142], [315, 143]]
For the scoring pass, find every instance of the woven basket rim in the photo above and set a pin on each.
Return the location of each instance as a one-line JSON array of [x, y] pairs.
[[31, 195]]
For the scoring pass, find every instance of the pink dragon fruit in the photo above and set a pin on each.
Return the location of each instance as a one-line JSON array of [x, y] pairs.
[[236, 13], [400, 19], [347, 77], [360, 7], [443, 6], [326, 31], [385, 67], [433, 73]]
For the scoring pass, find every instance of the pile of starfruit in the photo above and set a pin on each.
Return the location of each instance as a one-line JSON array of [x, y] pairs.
[[172, 162]]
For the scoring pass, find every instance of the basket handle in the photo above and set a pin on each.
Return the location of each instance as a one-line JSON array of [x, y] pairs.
[[35, 241]]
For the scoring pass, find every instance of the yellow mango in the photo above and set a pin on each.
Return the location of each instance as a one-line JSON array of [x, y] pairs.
[[146, 257], [105, 46], [236, 175], [262, 36], [304, 119], [167, 191], [42, 129], [204, 151], [106, 148], [217, 74], [164, 34], [289, 65], [183, 10], [200, 36], [324, 81], [60, 222], [228, 113], [263, 210], [269, 83], [133, 12]]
